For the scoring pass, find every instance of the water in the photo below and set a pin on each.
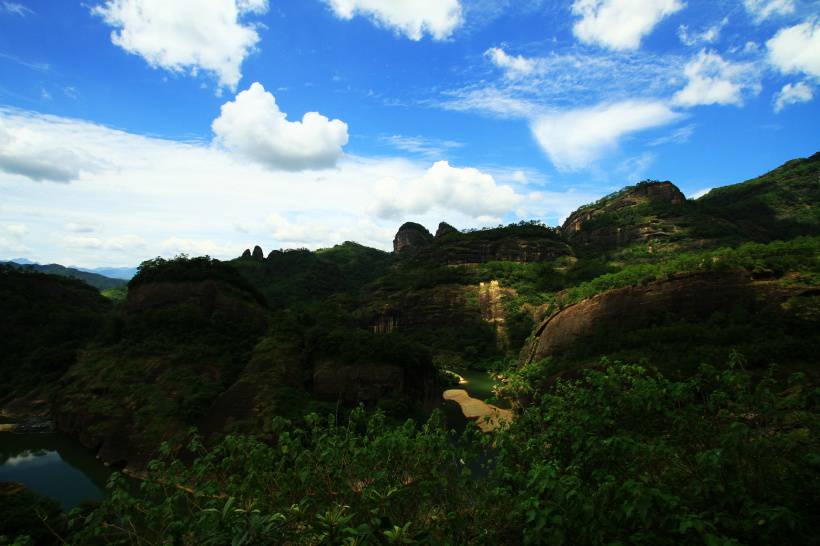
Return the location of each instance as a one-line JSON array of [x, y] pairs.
[[479, 385], [54, 466]]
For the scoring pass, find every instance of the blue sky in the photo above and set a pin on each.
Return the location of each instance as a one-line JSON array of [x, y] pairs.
[[132, 128]]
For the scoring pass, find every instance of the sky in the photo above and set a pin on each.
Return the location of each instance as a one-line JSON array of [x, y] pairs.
[[136, 128]]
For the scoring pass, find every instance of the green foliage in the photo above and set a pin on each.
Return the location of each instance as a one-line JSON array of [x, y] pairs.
[[44, 320], [617, 455], [185, 269], [800, 255], [27, 518]]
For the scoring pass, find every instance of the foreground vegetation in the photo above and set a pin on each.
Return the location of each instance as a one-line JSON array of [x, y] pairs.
[[619, 454]]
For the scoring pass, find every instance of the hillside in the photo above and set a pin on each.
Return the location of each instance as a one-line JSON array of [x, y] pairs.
[[100, 282]]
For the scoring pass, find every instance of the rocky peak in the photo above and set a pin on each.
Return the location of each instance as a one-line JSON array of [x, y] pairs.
[[411, 236], [247, 253], [258, 254], [643, 192], [444, 229]]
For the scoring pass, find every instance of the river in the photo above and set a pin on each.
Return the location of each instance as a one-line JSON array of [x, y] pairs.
[[474, 397], [52, 465]]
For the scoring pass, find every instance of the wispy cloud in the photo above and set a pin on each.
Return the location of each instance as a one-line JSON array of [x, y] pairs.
[[16, 9], [432, 148], [39, 67]]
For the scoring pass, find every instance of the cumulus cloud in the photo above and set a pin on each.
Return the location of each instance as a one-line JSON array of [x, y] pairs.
[[796, 49], [514, 66], [189, 196], [413, 18], [186, 34], [713, 80], [446, 188], [792, 94], [574, 139], [620, 24], [763, 9], [253, 125], [41, 155]]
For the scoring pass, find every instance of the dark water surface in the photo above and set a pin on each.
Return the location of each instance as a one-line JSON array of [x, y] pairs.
[[53, 465]]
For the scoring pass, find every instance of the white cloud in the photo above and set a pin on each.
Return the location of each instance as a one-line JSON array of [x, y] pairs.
[[678, 136], [793, 94], [514, 66], [713, 80], [797, 49], [15, 8], [123, 243], [184, 35], [707, 36], [423, 146], [576, 138], [468, 191], [574, 78], [195, 247], [82, 226], [763, 9], [42, 153], [700, 193], [254, 125], [12, 246], [620, 24], [17, 230], [413, 18], [190, 196]]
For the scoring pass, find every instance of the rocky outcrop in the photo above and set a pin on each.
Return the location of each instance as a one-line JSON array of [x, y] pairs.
[[626, 217], [444, 229], [411, 237], [258, 254], [247, 253], [616, 314]]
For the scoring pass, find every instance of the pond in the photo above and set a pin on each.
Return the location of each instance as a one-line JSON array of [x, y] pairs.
[[52, 465]]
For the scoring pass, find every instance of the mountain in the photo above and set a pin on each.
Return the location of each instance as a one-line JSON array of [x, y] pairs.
[[99, 282], [124, 273], [664, 328]]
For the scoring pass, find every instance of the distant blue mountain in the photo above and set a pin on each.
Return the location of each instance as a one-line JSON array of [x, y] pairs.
[[100, 282], [125, 273]]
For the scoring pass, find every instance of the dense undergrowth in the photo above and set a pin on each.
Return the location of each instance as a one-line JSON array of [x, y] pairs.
[[619, 454]]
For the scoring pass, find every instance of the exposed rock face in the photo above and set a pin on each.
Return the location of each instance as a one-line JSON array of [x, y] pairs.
[[258, 254], [443, 229], [600, 225], [247, 253], [490, 296], [411, 237], [692, 297]]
